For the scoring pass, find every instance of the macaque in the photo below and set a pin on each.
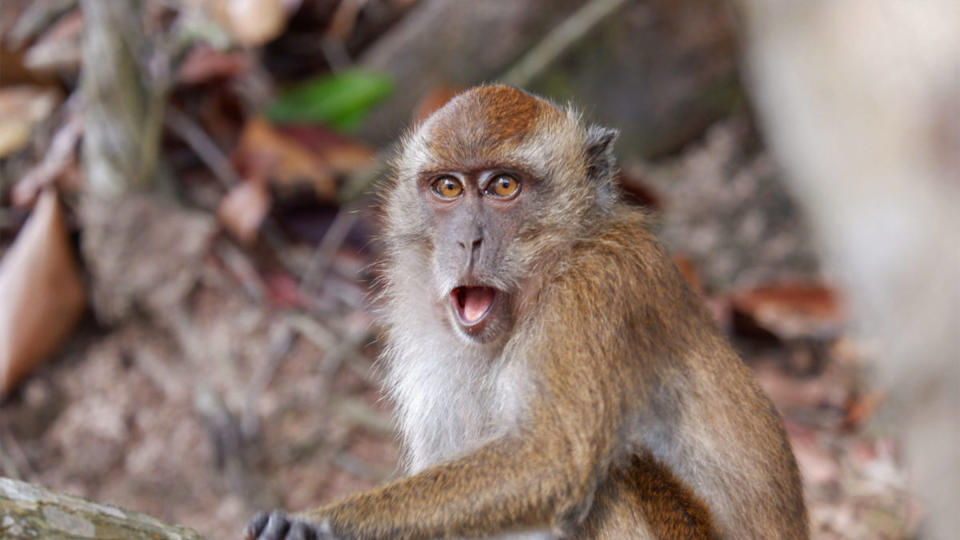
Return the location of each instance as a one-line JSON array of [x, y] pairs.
[[554, 376]]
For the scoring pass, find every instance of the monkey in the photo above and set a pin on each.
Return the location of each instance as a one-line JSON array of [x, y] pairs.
[[553, 374]]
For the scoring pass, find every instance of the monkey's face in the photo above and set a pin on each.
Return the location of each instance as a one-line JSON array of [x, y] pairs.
[[486, 196], [473, 218]]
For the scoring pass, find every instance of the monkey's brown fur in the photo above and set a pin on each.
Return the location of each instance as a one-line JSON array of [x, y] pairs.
[[643, 491], [606, 404]]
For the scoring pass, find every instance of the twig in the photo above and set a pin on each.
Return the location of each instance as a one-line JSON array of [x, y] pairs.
[[341, 284], [341, 26], [362, 367], [358, 182], [8, 465], [275, 240], [34, 19], [552, 46], [19, 454], [336, 54], [344, 19], [355, 197], [224, 432], [281, 340], [316, 333], [159, 374], [60, 153], [243, 270], [364, 415], [335, 349], [202, 145], [323, 256], [373, 472]]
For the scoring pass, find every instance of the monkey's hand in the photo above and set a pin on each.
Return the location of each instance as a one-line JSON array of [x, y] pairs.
[[277, 525]]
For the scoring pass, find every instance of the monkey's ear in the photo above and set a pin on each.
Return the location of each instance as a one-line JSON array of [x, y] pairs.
[[600, 161]]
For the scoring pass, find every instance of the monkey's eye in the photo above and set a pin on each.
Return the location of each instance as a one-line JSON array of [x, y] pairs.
[[503, 186], [447, 187]]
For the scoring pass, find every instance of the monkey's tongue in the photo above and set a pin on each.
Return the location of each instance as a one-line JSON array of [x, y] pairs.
[[473, 302]]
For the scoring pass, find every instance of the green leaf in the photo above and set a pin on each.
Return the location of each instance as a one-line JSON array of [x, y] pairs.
[[339, 101]]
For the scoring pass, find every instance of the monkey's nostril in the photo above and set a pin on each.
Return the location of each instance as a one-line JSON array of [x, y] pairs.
[[473, 244]]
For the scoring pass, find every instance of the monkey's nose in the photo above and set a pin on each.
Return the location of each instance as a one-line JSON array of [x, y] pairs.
[[474, 244]]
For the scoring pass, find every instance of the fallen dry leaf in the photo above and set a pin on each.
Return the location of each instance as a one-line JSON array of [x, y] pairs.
[[243, 209], [13, 71], [205, 64], [342, 154], [861, 408], [252, 22], [791, 393], [689, 272], [637, 192], [41, 294], [789, 311], [266, 152], [21, 108]]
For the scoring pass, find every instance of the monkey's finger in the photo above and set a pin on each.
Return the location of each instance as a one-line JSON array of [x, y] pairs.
[[301, 531], [277, 527], [253, 528]]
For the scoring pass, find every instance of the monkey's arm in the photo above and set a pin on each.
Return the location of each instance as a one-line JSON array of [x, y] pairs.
[[540, 478], [506, 485]]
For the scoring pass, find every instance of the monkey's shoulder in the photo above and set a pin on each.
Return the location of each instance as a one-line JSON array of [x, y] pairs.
[[619, 258]]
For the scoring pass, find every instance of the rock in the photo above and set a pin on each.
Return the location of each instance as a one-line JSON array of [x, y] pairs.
[[30, 511]]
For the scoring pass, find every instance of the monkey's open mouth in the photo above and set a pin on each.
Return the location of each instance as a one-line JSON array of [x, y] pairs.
[[472, 304]]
